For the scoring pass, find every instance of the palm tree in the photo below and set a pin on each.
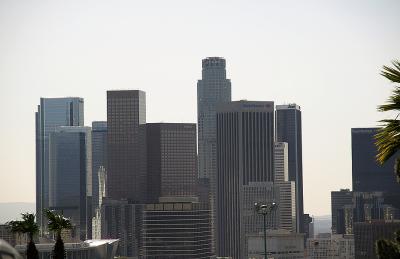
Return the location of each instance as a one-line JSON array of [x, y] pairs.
[[57, 223], [388, 137], [388, 143], [27, 226]]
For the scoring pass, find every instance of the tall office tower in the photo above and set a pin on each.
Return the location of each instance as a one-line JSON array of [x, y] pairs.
[[122, 220], [171, 160], [245, 153], [176, 229], [212, 89], [99, 158], [281, 162], [338, 200], [96, 219], [70, 175], [367, 174], [52, 112], [126, 156], [288, 129]]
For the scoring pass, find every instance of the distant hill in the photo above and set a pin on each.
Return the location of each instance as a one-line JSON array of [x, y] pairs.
[[322, 224], [12, 210]]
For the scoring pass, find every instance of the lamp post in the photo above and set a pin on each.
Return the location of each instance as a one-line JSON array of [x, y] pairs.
[[264, 209]]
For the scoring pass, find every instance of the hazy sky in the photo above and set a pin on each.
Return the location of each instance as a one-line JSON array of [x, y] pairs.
[[323, 55]]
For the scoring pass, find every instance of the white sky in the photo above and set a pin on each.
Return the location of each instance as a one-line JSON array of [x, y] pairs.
[[323, 55]]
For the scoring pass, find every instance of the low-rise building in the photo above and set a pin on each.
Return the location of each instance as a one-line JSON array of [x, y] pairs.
[[328, 246], [281, 244], [89, 249]]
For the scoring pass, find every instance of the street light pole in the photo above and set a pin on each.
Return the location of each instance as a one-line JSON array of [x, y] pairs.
[[265, 236], [264, 209]]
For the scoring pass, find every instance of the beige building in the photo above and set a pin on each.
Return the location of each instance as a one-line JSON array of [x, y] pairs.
[[328, 246], [281, 244]]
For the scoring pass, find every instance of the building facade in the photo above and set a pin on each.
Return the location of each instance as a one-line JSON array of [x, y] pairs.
[[281, 162], [179, 230], [51, 113], [99, 158], [327, 246], [367, 233], [245, 144], [122, 220], [171, 160], [213, 88], [126, 156], [338, 200], [70, 175], [281, 244], [288, 129]]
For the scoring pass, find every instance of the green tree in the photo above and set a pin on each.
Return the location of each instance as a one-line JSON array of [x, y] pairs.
[[389, 249], [27, 226], [388, 137], [57, 223]]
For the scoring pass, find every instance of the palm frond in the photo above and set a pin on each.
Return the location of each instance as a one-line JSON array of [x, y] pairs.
[[392, 73], [57, 222], [387, 140]]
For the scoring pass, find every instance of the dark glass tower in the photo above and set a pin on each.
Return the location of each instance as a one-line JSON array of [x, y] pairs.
[[126, 177], [288, 129], [70, 176], [52, 113], [367, 174]]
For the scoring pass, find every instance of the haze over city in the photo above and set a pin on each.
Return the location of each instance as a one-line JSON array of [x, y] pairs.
[[325, 56]]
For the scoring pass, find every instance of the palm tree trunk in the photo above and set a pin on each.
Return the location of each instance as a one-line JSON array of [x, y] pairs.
[[31, 251], [59, 251]]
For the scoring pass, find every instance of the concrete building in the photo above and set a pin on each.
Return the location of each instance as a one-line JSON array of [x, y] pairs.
[[281, 244], [96, 220], [171, 160], [328, 246], [177, 229], [245, 154], [70, 175], [338, 200], [214, 88], [367, 233], [99, 158], [287, 205], [126, 156], [51, 113], [89, 249], [288, 129], [122, 220], [281, 162], [308, 226]]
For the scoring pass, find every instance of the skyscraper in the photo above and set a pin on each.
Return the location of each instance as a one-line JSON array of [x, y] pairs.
[[126, 176], [245, 144], [214, 88], [70, 175], [171, 160], [288, 129], [367, 174], [52, 112], [99, 158]]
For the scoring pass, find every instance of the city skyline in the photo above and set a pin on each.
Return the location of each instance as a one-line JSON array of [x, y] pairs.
[[40, 68]]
